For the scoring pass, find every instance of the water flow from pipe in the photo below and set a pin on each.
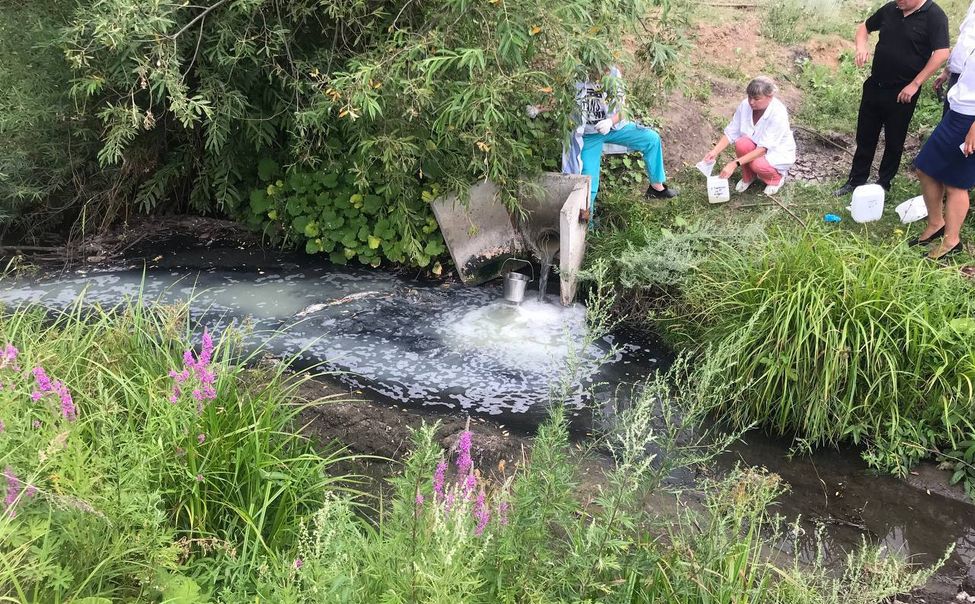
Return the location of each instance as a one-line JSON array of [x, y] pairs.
[[547, 245]]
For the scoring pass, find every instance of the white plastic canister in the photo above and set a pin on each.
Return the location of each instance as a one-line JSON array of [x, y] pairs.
[[868, 203], [718, 189]]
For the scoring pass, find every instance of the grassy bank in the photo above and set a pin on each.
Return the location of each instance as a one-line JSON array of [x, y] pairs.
[[138, 471], [122, 481]]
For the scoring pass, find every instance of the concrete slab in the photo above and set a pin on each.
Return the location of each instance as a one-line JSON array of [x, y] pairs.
[[480, 233]]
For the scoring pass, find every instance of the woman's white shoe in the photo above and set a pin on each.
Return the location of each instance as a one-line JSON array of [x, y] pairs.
[[743, 185], [773, 189]]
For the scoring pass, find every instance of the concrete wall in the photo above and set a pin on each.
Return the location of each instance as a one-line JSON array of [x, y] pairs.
[[481, 234]]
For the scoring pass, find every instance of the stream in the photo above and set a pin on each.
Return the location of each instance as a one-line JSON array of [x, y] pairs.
[[463, 349]]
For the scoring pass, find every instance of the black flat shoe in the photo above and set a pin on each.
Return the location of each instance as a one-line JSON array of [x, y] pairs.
[[844, 190], [666, 193], [918, 241], [934, 255]]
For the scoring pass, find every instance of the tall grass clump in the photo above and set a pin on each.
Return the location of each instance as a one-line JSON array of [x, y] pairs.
[[540, 533], [831, 338], [137, 468]]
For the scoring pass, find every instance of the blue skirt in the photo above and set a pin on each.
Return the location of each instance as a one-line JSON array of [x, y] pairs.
[[942, 159]]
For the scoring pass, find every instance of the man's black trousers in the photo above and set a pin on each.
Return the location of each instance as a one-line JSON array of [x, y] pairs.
[[879, 110]]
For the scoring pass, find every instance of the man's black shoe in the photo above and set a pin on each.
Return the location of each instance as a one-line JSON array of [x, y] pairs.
[[666, 193], [844, 190]]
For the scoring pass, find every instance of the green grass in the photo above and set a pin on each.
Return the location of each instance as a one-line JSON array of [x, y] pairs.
[[138, 495], [559, 544]]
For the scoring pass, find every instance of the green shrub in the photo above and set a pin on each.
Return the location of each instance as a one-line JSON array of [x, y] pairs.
[[39, 152], [194, 96], [833, 338], [113, 490], [327, 212]]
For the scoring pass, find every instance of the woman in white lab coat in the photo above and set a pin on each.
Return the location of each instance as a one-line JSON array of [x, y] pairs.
[[765, 148]]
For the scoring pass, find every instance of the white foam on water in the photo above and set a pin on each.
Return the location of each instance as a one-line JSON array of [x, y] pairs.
[[533, 336]]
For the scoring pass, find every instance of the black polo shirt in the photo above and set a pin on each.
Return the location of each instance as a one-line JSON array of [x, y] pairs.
[[906, 43]]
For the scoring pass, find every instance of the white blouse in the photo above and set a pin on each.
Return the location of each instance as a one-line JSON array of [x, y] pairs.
[[965, 44], [772, 132], [961, 97]]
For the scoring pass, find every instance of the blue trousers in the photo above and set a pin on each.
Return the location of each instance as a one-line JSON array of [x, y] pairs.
[[632, 136]]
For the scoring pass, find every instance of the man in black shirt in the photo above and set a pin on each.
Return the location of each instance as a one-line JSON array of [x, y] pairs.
[[913, 45]]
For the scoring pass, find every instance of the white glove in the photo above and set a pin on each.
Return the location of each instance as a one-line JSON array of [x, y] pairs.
[[532, 111], [604, 126]]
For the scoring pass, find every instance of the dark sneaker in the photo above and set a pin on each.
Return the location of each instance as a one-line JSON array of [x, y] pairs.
[[844, 190], [667, 193]]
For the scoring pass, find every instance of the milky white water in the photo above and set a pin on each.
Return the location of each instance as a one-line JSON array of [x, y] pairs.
[[419, 344]]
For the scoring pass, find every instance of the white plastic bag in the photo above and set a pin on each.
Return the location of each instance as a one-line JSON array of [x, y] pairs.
[[706, 167], [912, 210]]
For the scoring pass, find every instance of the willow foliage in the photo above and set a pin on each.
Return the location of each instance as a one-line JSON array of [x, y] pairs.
[[410, 92]]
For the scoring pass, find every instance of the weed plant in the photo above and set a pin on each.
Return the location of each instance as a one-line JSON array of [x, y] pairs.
[[832, 338], [121, 486], [544, 540]]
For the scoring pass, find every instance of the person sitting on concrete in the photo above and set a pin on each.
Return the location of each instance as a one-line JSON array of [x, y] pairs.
[[765, 148], [600, 121], [913, 44], [946, 168], [956, 60]]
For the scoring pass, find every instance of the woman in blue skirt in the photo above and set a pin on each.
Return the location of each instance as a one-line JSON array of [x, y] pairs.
[[946, 167]]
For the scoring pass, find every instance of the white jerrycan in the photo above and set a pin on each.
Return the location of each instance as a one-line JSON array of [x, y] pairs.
[[868, 203]]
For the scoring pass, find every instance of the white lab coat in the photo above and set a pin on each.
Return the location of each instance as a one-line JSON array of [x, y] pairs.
[[965, 44], [772, 131]]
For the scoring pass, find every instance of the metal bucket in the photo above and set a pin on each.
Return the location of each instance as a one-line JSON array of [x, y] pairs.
[[516, 283]]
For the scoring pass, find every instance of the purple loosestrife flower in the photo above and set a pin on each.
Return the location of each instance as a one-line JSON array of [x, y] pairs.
[[8, 357], [298, 563], [68, 410], [503, 513], [201, 438], [482, 514], [464, 461], [419, 500], [13, 489], [469, 484], [43, 381], [439, 477], [197, 368]]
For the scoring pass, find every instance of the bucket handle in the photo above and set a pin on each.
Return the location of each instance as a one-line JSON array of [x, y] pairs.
[[530, 267]]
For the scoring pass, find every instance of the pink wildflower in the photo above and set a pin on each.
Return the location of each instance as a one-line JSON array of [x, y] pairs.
[[481, 513], [43, 381], [197, 368], [469, 483], [464, 461], [13, 489], [298, 563], [439, 477], [8, 357], [68, 410], [419, 499], [201, 438], [3, 426], [199, 477], [503, 513], [36, 424]]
